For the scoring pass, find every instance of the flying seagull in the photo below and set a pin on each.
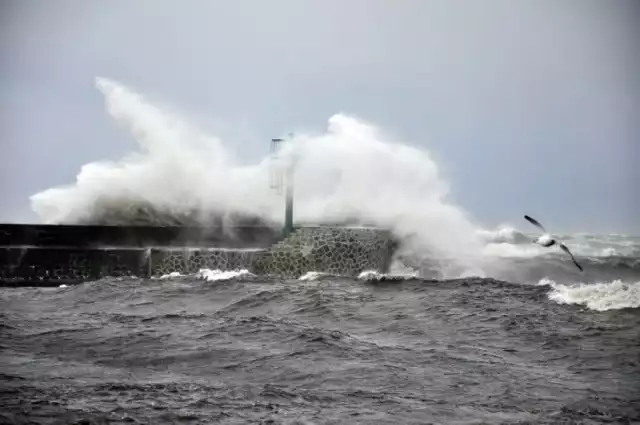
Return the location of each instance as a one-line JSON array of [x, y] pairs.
[[546, 240]]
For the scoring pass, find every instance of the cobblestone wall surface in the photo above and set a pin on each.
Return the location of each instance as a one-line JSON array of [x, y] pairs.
[[343, 251]]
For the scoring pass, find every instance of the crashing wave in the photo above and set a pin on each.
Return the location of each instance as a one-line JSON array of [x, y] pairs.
[[600, 296]]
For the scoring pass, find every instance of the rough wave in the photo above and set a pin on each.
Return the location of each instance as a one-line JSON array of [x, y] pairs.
[[352, 172], [506, 241], [598, 296], [601, 296]]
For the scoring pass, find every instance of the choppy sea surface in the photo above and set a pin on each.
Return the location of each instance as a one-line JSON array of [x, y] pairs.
[[237, 349]]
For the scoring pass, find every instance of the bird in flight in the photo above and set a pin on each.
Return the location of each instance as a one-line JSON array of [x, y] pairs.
[[546, 240]]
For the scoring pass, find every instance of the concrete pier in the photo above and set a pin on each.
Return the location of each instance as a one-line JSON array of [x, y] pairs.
[[49, 255]]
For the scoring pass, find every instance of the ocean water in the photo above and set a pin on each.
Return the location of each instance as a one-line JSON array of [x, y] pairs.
[[319, 350], [471, 326]]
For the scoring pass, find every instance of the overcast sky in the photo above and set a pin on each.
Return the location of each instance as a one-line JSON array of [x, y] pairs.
[[528, 106]]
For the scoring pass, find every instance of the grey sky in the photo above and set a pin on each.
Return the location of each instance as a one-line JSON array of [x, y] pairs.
[[528, 106]]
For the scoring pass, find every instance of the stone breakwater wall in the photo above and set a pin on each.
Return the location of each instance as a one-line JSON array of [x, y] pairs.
[[191, 260], [334, 250], [343, 251]]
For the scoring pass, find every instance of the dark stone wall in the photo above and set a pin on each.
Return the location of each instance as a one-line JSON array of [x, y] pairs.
[[42, 266], [249, 236], [44, 255]]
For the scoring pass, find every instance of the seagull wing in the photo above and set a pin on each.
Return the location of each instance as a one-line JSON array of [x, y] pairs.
[[535, 222], [565, 249]]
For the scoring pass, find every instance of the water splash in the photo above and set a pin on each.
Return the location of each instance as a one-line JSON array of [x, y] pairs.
[[178, 174]]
